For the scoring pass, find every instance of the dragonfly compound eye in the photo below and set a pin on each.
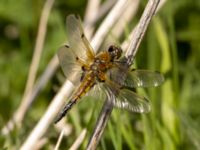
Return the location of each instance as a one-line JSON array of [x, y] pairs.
[[114, 51]]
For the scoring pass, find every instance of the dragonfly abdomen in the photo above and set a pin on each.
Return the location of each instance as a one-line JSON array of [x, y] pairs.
[[85, 86]]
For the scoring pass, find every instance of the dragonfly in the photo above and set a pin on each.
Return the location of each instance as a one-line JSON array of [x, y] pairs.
[[105, 74]]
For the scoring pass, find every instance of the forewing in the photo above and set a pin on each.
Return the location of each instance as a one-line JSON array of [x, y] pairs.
[[77, 39], [129, 100], [68, 63], [143, 78]]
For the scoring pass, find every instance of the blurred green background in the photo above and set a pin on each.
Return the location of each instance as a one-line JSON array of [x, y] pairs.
[[171, 45]]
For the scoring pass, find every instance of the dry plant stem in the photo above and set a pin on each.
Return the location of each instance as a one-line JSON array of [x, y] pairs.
[[66, 89], [141, 29], [31, 96], [59, 140], [130, 54], [122, 24], [48, 117], [38, 46], [104, 8], [40, 144], [79, 140], [109, 21], [34, 65], [100, 125], [90, 14]]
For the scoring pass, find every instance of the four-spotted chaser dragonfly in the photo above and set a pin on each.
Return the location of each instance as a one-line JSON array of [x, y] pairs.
[[103, 74]]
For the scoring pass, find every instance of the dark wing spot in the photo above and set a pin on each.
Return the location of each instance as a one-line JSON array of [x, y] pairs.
[[82, 35], [77, 58], [83, 68], [67, 46]]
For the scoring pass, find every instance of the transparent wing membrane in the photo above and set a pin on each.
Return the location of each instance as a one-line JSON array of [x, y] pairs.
[[98, 92], [143, 78], [68, 63], [77, 39], [129, 100]]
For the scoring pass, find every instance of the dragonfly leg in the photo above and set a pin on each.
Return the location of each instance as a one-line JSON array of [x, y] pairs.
[[64, 111]]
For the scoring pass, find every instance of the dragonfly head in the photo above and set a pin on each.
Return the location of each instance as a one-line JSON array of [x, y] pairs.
[[115, 52]]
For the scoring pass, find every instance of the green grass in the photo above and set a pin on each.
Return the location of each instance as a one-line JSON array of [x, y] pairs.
[[171, 46]]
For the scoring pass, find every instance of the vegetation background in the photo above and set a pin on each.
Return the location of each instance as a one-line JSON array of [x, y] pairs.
[[171, 45]]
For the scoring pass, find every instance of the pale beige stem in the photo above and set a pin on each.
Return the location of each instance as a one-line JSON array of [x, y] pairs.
[[91, 13], [79, 140], [59, 140]]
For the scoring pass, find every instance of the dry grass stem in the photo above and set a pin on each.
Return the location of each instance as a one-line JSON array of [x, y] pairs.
[[91, 13], [79, 140], [104, 8], [141, 29], [59, 140], [38, 46], [122, 24], [17, 118], [31, 95], [108, 22]]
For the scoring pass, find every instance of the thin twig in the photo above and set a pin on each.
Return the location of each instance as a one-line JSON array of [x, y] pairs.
[[100, 125], [104, 8], [141, 29], [130, 54], [79, 140], [38, 46], [67, 87], [59, 140], [122, 24], [91, 13], [17, 118], [31, 96], [109, 21]]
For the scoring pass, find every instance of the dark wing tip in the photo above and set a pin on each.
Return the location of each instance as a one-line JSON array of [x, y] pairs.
[[82, 35], [67, 46]]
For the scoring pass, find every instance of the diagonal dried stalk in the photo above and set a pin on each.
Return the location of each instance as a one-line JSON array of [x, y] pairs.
[[103, 10], [67, 87], [130, 54], [122, 24], [79, 140], [59, 140], [38, 46], [19, 114], [91, 13]]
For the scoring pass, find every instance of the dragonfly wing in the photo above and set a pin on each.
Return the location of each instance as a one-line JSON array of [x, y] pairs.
[[98, 91], [143, 78], [129, 100], [68, 62], [125, 98], [77, 39]]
